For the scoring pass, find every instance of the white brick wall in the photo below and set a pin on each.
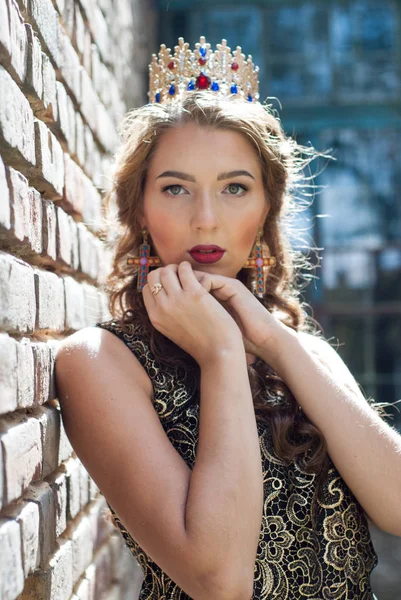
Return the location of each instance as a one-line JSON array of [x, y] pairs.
[[69, 70]]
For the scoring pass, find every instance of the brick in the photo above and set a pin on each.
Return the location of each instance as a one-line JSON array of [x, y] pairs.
[[5, 41], [86, 58], [11, 569], [100, 33], [80, 195], [103, 178], [18, 185], [70, 65], [27, 516], [8, 374], [33, 84], [89, 100], [26, 381], [79, 34], [106, 132], [49, 115], [93, 489], [26, 216], [68, 17], [22, 452], [58, 484], [48, 177], [41, 357], [92, 305], [82, 547], [73, 477], [103, 570], [73, 199], [64, 242], [49, 229], [35, 221], [74, 245], [65, 448], [74, 304], [16, 123], [96, 70], [79, 139], [92, 209], [53, 346], [88, 250], [92, 155], [41, 494], [50, 301], [19, 44], [49, 418], [17, 295], [117, 104], [44, 18], [5, 212], [61, 566], [101, 528], [66, 116]]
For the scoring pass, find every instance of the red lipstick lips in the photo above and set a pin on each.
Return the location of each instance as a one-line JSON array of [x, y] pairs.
[[206, 254]]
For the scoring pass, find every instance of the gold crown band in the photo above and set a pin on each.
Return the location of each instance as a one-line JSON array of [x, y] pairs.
[[202, 69]]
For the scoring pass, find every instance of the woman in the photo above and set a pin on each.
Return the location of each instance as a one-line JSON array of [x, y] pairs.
[[234, 448]]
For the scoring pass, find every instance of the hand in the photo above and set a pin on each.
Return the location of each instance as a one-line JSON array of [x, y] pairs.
[[187, 314], [259, 328]]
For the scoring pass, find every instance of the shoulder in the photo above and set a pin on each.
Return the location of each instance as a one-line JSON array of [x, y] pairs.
[[329, 357], [93, 340], [94, 350]]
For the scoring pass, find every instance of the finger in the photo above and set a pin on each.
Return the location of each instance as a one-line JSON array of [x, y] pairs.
[[170, 280], [186, 275], [205, 279], [148, 298]]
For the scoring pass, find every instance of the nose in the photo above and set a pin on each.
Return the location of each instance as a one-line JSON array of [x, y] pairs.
[[205, 213]]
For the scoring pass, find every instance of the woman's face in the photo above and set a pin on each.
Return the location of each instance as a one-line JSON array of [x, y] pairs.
[[194, 197]]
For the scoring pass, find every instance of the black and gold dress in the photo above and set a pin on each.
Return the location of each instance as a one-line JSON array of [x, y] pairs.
[[307, 550]]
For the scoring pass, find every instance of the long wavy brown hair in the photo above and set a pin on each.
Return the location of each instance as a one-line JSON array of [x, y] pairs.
[[284, 165]]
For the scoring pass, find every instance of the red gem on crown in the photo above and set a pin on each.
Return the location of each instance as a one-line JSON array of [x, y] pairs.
[[171, 65], [234, 66], [202, 61], [202, 82]]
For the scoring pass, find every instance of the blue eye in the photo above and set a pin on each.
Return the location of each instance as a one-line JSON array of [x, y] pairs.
[[171, 187], [237, 185]]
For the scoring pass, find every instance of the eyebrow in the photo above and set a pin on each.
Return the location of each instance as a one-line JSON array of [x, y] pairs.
[[186, 177]]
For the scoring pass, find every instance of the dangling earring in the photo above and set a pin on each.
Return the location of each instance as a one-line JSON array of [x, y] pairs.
[[144, 260], [258, 262]]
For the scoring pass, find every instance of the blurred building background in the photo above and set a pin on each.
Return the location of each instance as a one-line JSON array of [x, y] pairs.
[[335, 67]]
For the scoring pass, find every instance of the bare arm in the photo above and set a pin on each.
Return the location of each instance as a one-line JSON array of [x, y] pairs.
[[365, 449], [225, 499], [201, 527]]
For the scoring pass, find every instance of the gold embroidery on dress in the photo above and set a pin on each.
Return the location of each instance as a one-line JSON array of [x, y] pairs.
[[307, 550]]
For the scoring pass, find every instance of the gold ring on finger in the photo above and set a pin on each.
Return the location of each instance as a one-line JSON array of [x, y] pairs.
[[155, 289]]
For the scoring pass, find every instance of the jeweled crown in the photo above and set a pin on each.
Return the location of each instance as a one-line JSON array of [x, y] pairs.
[[221, 71]]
